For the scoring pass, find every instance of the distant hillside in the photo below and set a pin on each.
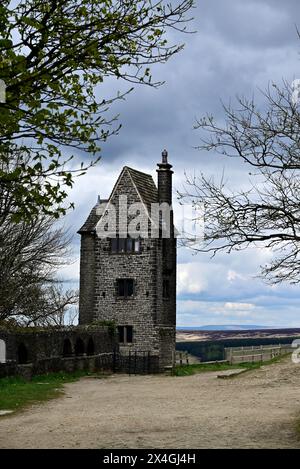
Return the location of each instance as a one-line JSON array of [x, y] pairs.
[[224, 327], [193, 334]]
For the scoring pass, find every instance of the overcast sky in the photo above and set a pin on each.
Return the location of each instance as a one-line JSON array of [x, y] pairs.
[[240, 46]]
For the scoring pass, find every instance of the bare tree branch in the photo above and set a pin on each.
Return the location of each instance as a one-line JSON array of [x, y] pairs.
[[268, 214]]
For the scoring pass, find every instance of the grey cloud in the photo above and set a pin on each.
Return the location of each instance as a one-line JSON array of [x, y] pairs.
[[239, 46], [253, 23]]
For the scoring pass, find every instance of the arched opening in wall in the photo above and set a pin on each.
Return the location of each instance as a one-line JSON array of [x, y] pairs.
[[79, 347], [22, 354], [2, 351], [91, 347], [67, 348]]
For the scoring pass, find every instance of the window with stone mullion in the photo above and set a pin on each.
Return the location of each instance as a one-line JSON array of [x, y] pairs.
[[125, 245]]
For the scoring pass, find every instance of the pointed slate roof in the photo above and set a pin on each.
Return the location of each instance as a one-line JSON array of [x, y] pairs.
[[145, 187], [93, 218]]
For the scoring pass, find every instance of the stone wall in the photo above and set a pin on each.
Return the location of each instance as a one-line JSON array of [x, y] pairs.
[[46, 352], [63, 349]]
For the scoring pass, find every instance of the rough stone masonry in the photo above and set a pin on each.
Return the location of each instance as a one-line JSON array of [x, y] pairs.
[[132, 281]]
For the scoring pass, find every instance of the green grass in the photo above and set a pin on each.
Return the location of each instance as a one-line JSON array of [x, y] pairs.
[[16, 393], [187, 370]]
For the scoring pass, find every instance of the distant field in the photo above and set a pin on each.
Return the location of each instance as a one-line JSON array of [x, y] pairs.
[[189, 336], [210, 345]]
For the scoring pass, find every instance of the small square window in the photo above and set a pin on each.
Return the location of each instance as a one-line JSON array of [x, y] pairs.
[[125, 334], [125, 287]]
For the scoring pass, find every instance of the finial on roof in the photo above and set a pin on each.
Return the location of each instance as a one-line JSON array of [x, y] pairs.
[[165, 157], [99, 200]]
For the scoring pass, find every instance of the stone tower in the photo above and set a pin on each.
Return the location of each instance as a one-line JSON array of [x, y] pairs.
[[132, 279]]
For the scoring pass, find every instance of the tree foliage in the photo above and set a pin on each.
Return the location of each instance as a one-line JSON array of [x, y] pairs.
[[54, 56], [31, 252], [267, 214]]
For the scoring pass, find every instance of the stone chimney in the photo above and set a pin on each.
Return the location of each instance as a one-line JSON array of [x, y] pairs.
[[164, 179]]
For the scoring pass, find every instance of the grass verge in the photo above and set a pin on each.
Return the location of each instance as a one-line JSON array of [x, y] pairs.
[[187, 370], [17, 393]]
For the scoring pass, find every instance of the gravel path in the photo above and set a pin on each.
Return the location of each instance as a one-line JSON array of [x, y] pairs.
[[257, 409]]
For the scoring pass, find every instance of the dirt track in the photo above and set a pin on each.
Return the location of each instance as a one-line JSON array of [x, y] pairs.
[[255, 410]]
